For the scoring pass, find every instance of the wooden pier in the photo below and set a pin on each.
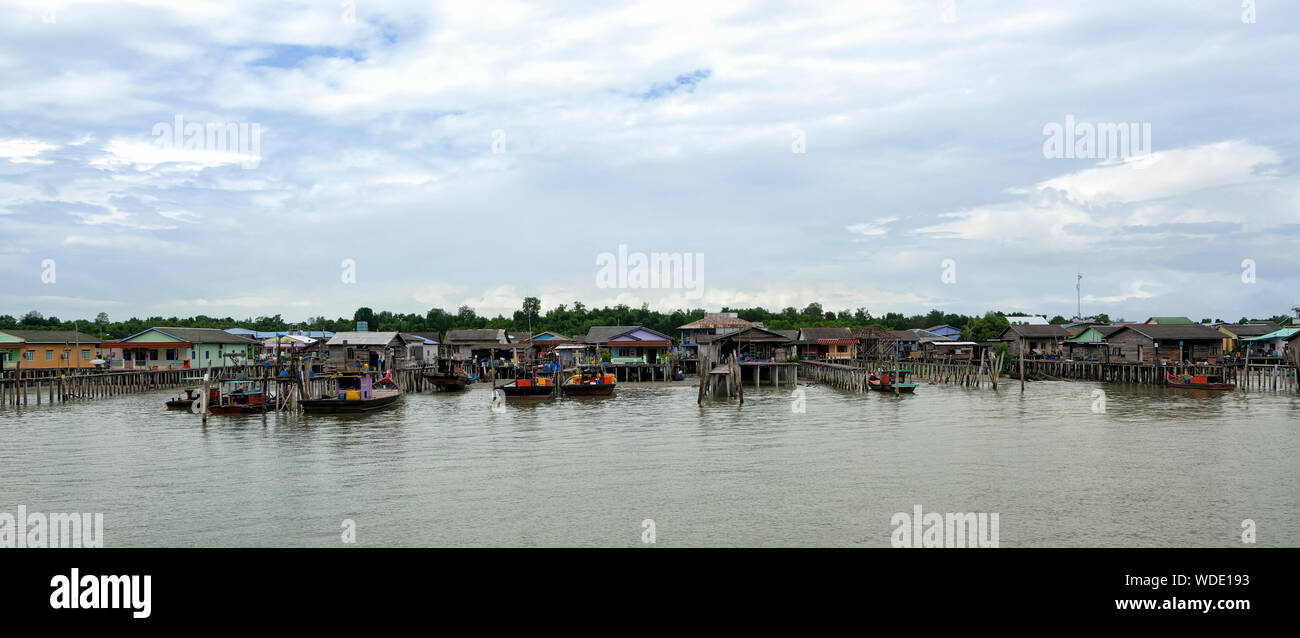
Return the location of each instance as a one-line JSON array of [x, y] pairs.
[[851, 375]]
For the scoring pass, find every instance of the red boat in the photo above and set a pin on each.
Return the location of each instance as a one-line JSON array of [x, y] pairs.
[[1198, 382], [240, 397]]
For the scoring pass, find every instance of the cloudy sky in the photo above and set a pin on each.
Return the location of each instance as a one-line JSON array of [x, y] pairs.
[[887, 155]]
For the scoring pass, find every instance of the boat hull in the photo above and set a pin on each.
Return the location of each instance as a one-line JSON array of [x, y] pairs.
[[1204, 386], [588, 389], [903, 388], [237, 409], [450, 383], [347, 406], [1174, 382], [527, 393]]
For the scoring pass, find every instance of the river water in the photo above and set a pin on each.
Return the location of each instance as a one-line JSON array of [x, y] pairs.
[[1159, 467]]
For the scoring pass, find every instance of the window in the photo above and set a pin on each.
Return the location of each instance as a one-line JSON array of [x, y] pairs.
[[171, 354], [49, 355], [30, 355], [85, 355], [207, 354], [65, 355], [153, 355]]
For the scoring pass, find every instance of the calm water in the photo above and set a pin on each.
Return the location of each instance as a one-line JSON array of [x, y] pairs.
[[1159, 468]]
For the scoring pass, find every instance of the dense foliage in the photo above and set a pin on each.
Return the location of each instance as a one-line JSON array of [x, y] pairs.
[[567, 319]]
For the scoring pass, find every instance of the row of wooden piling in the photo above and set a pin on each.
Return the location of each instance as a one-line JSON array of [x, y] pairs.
[[18, 388], [852, 374]]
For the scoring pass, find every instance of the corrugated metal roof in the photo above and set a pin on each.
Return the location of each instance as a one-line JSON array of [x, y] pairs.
[[1176, 331], [52, 336], [815, 334], [717, 320], [362, 338], [197, 335], [481, 335]]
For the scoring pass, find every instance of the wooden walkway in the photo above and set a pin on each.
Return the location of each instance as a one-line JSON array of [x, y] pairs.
[[852, 375]]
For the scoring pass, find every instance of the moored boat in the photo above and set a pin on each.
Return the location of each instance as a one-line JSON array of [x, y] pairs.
[[450, 382], [536, 388], [891, 380], [1198, 381], [593, 384], [238, 397], [193, 389], [355, 393]]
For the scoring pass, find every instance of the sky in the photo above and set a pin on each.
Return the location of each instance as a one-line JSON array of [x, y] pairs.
[[893, 156]]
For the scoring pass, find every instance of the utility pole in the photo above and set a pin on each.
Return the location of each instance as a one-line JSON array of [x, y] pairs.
[[1078, 296]]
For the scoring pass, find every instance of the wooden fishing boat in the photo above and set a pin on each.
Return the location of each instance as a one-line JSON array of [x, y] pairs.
[[528, 389], [889, 380], [356, 393], [448, 378], [1198, 382], [193, 390], [238, 397], [591, 383]]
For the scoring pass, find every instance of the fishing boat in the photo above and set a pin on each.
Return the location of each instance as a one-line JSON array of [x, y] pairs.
[[589, 383], [356, 392], [889, 380], [451, 380], [535, 388], [237, 397], [193, 390], [1199, 381]]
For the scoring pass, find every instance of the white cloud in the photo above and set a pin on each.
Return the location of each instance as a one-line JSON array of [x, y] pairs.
[[1166, 173], [875, 228], [24, 151]]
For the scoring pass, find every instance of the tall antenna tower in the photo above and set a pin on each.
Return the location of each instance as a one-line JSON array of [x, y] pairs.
[[1078, 296]]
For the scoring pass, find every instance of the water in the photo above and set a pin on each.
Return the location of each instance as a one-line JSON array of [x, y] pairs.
[[1161, 467]]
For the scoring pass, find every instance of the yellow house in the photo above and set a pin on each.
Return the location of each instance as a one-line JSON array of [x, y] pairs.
[[47, 349]]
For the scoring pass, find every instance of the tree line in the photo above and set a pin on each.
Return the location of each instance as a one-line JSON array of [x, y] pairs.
[[567, 319]]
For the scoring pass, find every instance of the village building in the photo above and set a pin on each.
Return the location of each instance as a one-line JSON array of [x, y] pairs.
[[163, 348], [827, 343], [906, 344], [946, 331], [947, 350], [874, 342], [638, 345], [1168, 321], [475, 344], [1165, 344], [1235, 332], [425, 349], [546, 343], [711, 324], [355, 351], [1268, 348], [1293, 349], [1026, 320], [1034, 340], [751, 345], [1090, 343], [48, 349]]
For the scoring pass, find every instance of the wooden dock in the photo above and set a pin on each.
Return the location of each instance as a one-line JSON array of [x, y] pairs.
[[851, 375]]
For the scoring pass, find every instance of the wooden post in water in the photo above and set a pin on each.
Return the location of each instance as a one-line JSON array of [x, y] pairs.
[[1022, 364]]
